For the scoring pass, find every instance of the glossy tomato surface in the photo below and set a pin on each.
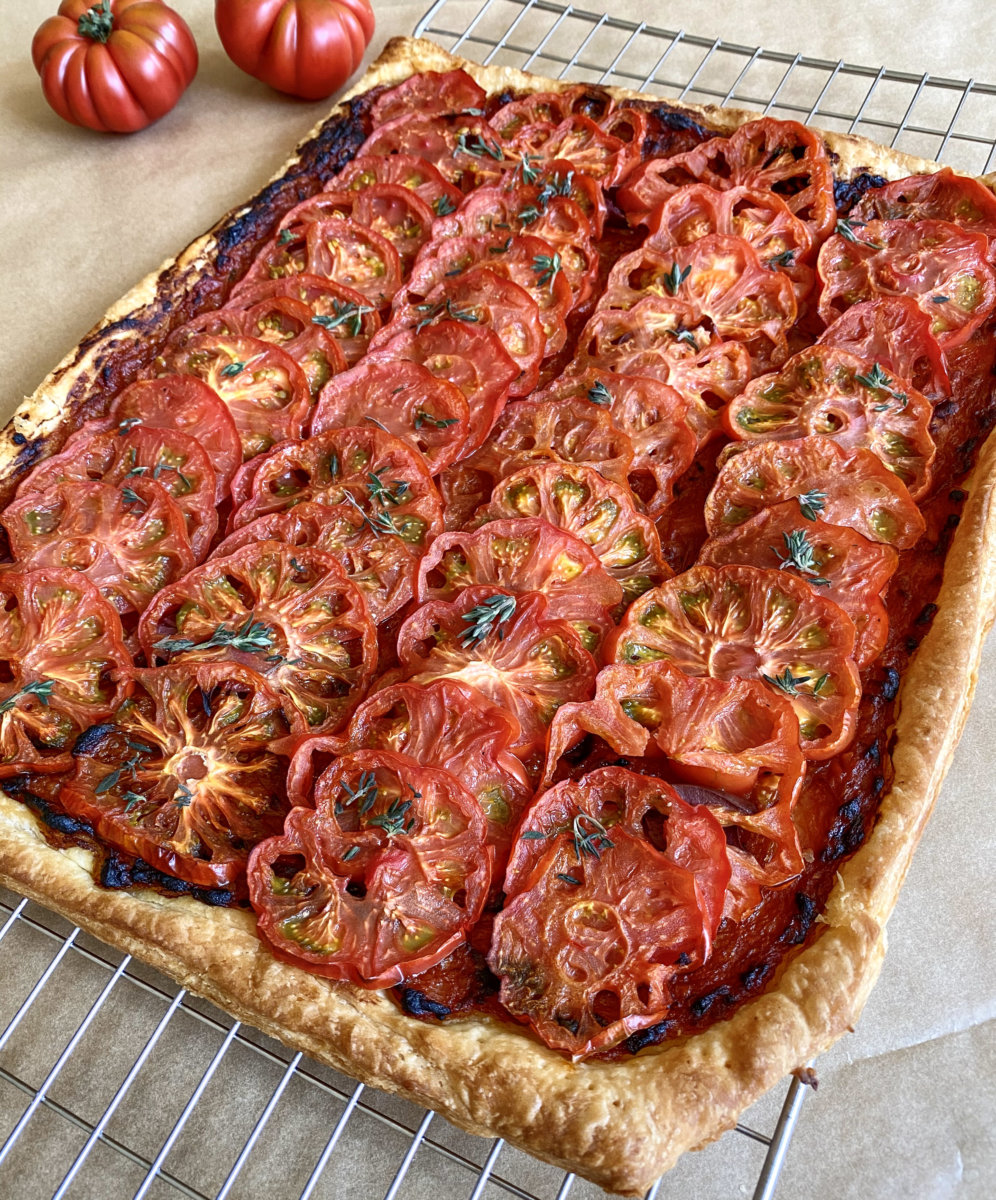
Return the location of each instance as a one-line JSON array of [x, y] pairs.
[[381, 879], [307, 48], [114, 65], [185, 776]]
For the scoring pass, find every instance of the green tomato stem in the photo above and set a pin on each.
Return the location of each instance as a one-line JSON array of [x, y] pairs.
[[97, 22]]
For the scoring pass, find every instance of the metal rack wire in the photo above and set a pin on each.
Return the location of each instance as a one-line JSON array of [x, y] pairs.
[[116, 1083]]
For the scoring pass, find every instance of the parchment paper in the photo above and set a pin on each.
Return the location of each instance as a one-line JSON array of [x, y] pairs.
[[905, 1104]]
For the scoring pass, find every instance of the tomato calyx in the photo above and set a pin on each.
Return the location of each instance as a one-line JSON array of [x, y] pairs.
[[97, 22]]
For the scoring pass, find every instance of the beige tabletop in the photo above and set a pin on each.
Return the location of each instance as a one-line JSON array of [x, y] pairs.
[[905, 1104]]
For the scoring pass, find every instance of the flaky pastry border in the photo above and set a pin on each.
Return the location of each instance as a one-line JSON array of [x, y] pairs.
[[620, 1124]]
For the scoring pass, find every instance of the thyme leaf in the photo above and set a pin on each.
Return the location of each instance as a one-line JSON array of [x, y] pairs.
[[674, 278], [599, 394], [233, 369]]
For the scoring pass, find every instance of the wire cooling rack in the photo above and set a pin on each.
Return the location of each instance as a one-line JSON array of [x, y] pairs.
[[117, 1084]]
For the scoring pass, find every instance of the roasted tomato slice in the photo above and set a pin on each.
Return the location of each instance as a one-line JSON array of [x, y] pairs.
[[856, 402], [740, 622], [185, 776], [548, 108], [526, 260], [403, 398], [507, 647], [525, 555], [60, 647], [942, 267], [380, 475], [381, 879], [469, 356], [942, 195], [289, 612], [344, 250], [380, 564], [428, 93], [651, 414], [337, 248], [184, 403], [290, 324], [781, 241], [602, 906], [489, 299], [842, 487], [176, 461], [581, 142], [406, 170], [129, 540], [783, 157], [263, 388], [707, 371], [846, 567], [444, 725], [341, 312], [893, 331], [389, 209], [540, 211], [600, 514], [463, 148], [527, 432], [730, 745], [718, 279]]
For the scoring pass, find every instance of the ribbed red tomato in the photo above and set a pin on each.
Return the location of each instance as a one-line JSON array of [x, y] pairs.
[[114, 65], [308, 48]]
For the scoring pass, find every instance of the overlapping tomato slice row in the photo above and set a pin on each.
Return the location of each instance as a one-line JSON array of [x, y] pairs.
[[357, 602]]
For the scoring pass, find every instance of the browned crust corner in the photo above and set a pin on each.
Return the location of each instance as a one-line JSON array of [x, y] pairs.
[[622, 1123]]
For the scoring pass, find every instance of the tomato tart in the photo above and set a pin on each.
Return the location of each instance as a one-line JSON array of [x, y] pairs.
[[496, 611]]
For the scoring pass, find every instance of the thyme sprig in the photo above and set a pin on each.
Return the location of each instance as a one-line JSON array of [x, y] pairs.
[[395, 819], [592, 841], [787, 682], [364, 795], [547, 267], [812, 503], [442, 206], [396, 492], [42, 688], [346, 314], [490, 616], [876, 380], [846, 230], [251, 637], [800, 556], [477, 147]]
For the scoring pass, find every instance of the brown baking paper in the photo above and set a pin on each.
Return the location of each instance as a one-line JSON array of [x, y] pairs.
[[905, 1104]]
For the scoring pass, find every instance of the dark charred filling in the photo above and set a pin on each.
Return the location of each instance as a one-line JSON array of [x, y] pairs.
[[841, 797]]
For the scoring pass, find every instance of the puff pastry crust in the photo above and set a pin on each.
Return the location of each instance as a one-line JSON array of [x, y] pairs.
[[621, 1123]]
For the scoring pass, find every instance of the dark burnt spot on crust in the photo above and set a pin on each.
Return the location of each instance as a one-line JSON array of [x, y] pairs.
[[847, 192], [653, 1035], [48, 814], [671, 130], [118, 872], [703, 1004], [755, 975], [798, 928], [418, 1005]]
